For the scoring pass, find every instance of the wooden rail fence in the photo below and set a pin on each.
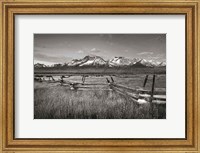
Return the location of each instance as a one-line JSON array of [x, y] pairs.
[[140, 95]]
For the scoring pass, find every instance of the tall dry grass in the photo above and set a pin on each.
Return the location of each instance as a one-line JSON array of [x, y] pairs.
[[58, 102]]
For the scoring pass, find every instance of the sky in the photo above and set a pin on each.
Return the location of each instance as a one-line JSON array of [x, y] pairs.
[[62, 48]]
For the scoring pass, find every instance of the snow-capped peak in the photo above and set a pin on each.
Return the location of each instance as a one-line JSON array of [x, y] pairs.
[[120, 61], [87, 61], [92, 60], [162, 63]]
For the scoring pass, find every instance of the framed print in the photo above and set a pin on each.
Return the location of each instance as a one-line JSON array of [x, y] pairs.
[[96, 79], [100, 76]]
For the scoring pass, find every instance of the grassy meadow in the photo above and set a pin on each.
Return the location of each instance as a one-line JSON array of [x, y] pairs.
[[100, 70], [52, 101]]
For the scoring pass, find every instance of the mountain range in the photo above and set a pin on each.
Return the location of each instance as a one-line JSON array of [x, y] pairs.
[[115, 62]]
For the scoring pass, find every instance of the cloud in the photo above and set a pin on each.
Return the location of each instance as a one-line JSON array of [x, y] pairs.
[[126, 51], [157, 57], [49, 58], [94, 50], [153, 57], [39, 48], [80, 51], [145, 53]]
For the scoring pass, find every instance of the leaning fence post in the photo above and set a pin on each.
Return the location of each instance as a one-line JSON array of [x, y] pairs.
[[112, 79], [52, 78], [151, 99], [108, 81], [145, 80]]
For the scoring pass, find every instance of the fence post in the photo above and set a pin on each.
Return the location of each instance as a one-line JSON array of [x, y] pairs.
[[151, 99], [61, 80], [52, 78], [83, 79], [112, 79], [108, 81], [145, 80]]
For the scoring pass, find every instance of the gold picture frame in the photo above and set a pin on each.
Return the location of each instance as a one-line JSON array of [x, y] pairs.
[[9, 8]]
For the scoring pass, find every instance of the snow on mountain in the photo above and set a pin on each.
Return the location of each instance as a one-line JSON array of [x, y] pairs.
[[154, 63], [135, 60], [146, 63], [88, 61], [151, 63], [38, 65], [122, 61], [118, 61], [162, 64], [115, 62], [76, 62], [94, 60]]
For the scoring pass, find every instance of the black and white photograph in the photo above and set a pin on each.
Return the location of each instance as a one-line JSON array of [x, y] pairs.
[[99, 76]]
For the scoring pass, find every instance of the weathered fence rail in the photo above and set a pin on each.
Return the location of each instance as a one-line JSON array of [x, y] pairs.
[[132, 95], [137, 96], [140, 95]]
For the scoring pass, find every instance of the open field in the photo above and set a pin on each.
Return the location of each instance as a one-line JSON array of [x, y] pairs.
[[99, 70], [95, 100]]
